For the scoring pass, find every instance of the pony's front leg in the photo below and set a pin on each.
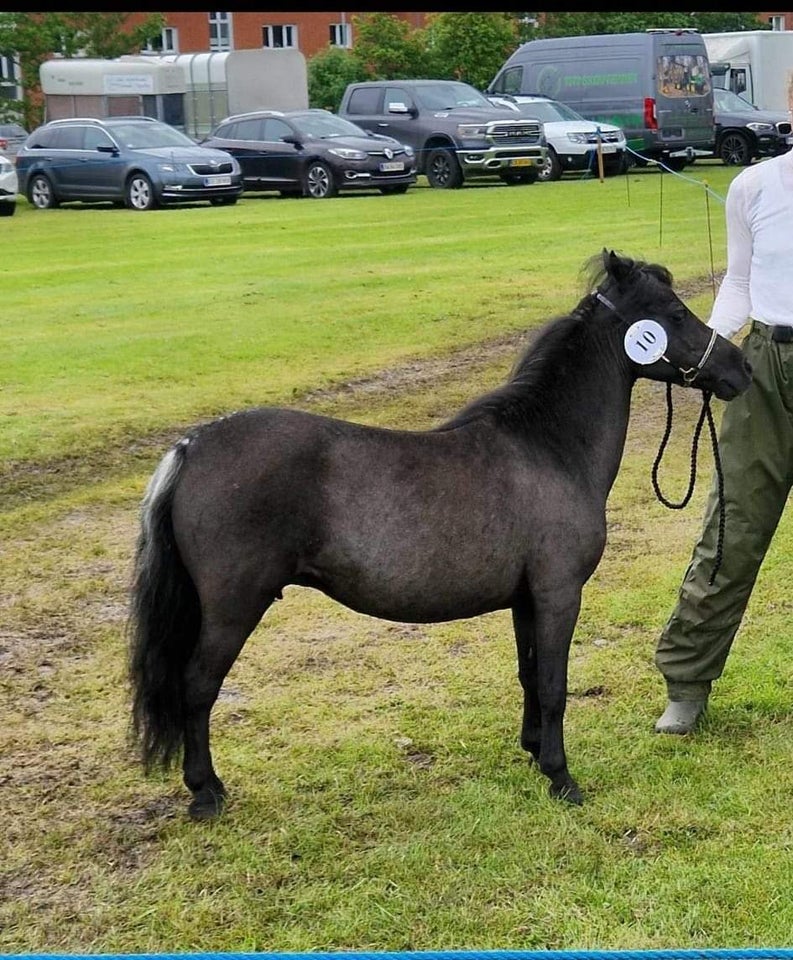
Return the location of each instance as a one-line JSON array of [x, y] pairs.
[[523, 625], [556, 614]]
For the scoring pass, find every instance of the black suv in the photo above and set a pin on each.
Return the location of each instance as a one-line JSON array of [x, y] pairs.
[[313, 153], [456, 132], [136, 161], [744, 132]]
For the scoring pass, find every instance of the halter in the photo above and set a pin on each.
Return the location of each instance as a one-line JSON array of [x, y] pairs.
[[689, 374]]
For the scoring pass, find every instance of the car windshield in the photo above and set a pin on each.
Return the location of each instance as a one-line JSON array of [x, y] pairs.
[[326, 125], [727, 100], [548, 112], [447, 96], [145, 136]]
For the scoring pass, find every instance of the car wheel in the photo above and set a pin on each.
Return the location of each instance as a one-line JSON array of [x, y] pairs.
[[7, 209], [223, 201], [139, 193], [676, 164], [735, 150], [443, 170], [41, 193], [319, 181], [402, 188], [552, 168]]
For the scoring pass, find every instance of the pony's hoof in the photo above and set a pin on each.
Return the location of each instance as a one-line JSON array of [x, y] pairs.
[[568, 791], [206, 807]]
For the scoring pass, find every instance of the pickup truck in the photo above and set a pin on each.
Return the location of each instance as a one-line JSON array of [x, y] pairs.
[[456, 132]]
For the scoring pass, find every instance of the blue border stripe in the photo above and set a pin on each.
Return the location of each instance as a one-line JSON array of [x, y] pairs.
[[763, 953]]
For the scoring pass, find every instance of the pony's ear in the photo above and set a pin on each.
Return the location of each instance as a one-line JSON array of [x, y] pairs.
[[617, 267]]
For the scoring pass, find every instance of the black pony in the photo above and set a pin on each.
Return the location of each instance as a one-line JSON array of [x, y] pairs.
[[503, 506]]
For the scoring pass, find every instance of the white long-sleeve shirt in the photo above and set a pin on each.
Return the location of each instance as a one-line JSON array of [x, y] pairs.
[[759, 278]]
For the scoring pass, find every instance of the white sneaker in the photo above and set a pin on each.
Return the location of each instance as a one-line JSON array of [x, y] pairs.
[[680, 716]]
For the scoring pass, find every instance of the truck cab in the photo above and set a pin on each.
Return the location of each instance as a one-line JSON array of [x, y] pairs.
[[456, 132]]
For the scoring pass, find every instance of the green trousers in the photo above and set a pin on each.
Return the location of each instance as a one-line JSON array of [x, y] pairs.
[[756, 447]]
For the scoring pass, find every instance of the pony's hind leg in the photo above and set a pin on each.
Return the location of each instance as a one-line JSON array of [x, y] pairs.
[[220, 643]]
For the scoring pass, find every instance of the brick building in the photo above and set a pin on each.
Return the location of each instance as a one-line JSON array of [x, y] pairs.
[[309, 33]]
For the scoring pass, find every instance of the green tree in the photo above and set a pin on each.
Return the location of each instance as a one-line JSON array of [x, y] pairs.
[[470, 46], [329, 72], [35, 37], [581, 24], [388, 48]]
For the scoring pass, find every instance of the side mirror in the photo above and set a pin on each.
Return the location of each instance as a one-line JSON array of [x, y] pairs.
[[107, 148], [403, 108], [295, 141]]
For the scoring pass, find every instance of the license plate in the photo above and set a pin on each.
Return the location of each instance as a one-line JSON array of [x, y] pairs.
[[608, 148], [217, 181], [392, 167], [520, 162]]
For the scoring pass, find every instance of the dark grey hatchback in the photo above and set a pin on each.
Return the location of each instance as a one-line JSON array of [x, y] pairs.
[[136, 161], [312, 153]]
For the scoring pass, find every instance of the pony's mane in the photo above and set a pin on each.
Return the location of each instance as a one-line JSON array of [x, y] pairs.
[[530, 395]]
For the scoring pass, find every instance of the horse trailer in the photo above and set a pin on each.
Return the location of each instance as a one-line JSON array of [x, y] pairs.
[[191, 91]]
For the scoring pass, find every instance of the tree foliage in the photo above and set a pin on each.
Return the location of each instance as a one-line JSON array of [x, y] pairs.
[[329, 72], [582, 24], [388, 48], [469, 46], [36, 37]]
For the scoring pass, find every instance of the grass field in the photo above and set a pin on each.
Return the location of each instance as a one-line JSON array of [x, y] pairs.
[[379, 798]]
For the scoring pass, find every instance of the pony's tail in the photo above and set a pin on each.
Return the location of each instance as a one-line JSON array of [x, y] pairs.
[[164, 622]]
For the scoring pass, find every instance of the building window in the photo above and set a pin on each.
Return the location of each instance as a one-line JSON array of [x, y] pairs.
[[220, 31], [279, 35], [166, 42], [777, 21], [340, 35]]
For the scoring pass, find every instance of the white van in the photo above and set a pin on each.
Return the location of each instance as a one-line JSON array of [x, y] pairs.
[[655, 85]]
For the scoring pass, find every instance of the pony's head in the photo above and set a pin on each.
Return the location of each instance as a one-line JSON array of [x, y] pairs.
[[661, 337]]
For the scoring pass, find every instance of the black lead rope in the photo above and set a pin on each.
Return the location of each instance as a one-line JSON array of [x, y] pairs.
[[706, 412]]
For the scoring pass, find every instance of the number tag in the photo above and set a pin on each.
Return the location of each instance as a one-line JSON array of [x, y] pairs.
[[645, 341]]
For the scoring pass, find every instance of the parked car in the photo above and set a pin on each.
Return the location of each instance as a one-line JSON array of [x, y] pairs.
[[9, 187], [572, 140], [455, 131], [134, 161], [12, 136], [313, 153], [744, 132]]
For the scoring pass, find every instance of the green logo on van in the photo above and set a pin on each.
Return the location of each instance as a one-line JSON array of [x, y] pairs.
[[551, 81]]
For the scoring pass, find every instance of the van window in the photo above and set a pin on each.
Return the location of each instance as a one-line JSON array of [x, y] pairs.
[[683, 75], [510, 81]]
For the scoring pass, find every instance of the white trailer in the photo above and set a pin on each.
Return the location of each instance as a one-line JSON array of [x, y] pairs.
[[236, 81], [191, 91], [757, 64], [84, 87]]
